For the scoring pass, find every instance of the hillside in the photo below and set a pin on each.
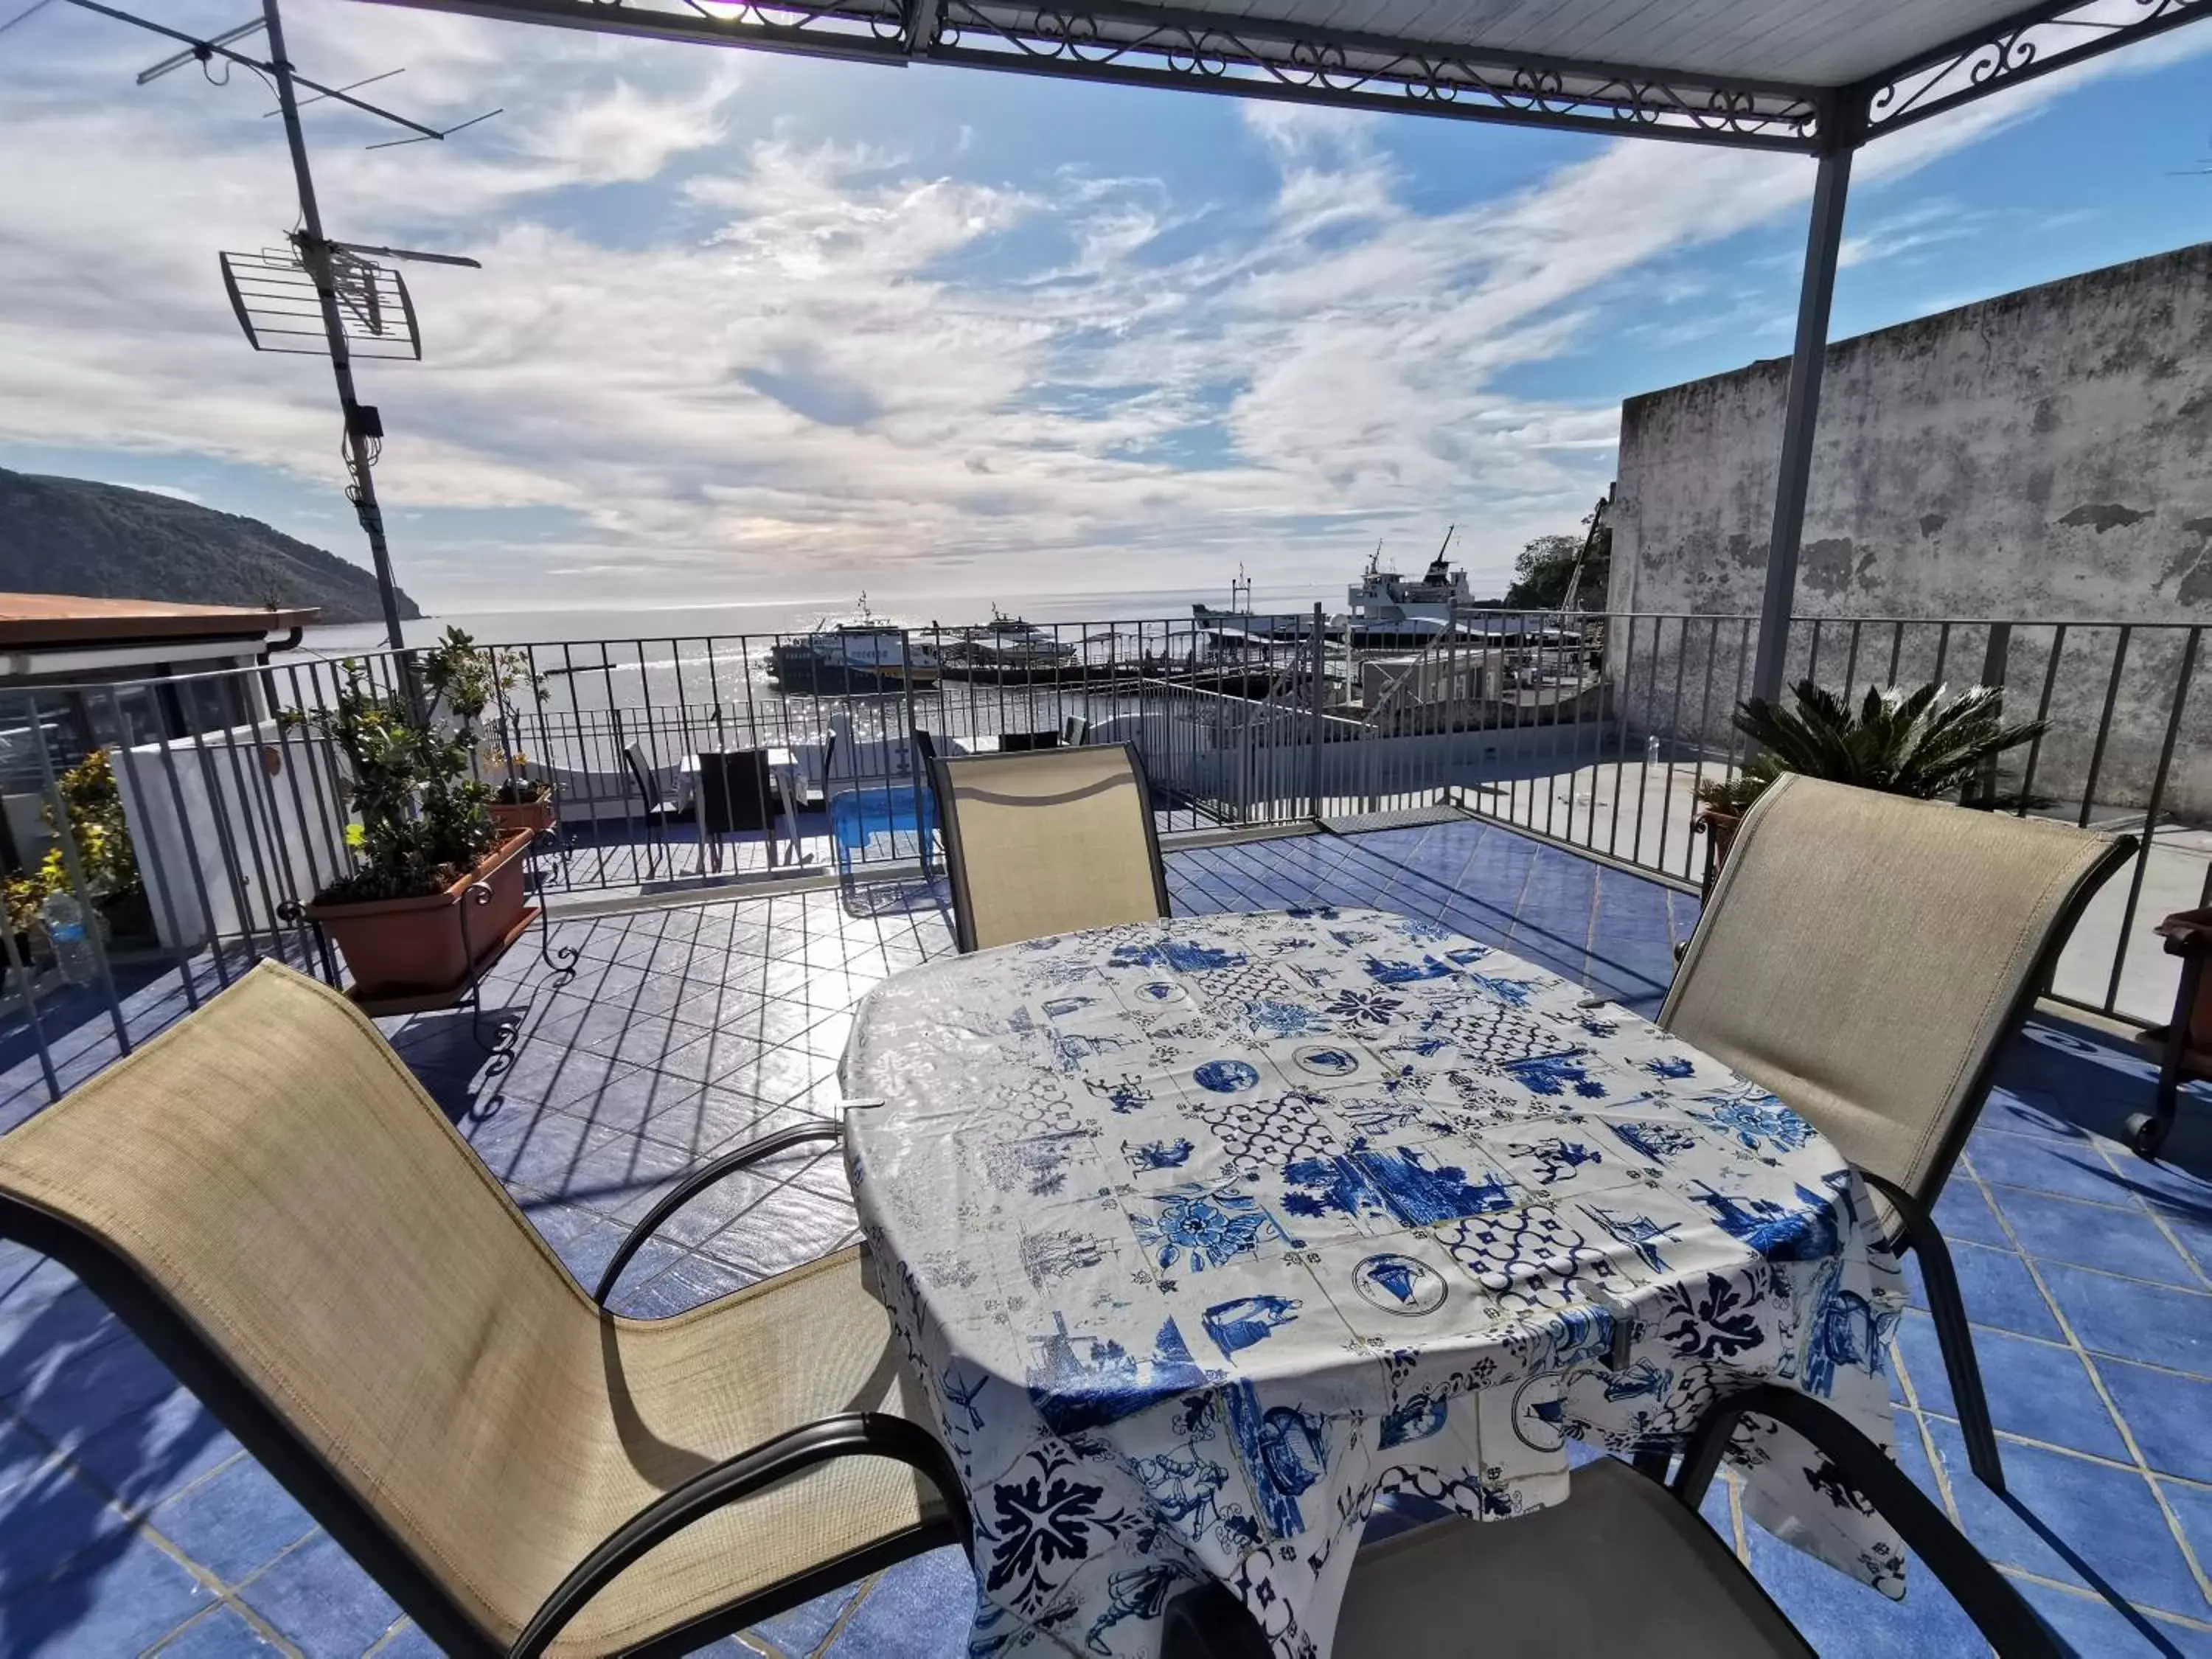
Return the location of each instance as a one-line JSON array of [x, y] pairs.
[[72, 535]]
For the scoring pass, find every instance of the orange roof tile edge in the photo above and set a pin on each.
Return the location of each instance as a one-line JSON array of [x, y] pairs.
[[30, 619]]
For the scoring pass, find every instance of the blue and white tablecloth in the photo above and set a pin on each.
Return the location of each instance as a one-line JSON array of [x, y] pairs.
[[1200, 1233]]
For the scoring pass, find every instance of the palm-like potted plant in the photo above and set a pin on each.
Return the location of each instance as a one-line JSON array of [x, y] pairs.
[[1920, 743], [436, 891]]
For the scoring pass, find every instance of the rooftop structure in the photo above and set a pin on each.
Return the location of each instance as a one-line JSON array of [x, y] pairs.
[[46, 636]]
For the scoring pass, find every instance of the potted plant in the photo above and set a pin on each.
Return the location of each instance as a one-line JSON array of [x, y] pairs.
[[424, 842], [1919, 743], [465, 680], [522, 802], [103, 853]]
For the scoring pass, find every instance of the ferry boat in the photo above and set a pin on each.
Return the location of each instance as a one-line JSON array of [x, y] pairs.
[[862, 654], [1005, 642], [1390, 613]]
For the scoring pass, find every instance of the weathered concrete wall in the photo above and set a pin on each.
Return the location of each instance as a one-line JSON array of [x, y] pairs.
[[2045, 456]]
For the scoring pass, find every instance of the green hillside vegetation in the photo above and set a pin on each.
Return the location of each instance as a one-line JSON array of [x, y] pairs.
[[72, 536]]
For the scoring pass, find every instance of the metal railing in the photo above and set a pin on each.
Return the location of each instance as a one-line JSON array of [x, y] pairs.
[[211, 821], [2128, 747]]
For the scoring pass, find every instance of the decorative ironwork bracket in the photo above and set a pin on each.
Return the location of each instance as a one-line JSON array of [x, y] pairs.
[[1265, 59], [2033, 43], [1160, 46]]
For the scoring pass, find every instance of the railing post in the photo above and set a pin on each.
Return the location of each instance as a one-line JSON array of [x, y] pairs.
[[1320, 712], [1995, 657], [915, 781]]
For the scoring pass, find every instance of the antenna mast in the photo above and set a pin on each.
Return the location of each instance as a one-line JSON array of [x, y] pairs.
[[257, 283], [363, 426]]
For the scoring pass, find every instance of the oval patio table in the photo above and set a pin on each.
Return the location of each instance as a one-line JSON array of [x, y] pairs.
[[1198, 1234]]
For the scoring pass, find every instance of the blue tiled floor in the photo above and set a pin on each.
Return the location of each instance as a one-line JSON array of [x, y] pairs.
[[129, 1521]]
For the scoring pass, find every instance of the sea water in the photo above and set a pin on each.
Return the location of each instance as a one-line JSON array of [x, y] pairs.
[[710, 663]]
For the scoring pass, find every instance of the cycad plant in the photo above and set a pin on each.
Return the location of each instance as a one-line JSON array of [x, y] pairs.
[[1919, 743]]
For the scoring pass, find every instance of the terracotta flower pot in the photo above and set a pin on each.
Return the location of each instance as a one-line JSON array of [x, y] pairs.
[[534, 816], [418, 947]]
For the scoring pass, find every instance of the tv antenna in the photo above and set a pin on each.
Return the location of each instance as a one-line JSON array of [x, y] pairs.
[[285, 298]]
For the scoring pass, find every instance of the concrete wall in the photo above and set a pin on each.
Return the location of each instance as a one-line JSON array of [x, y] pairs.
[[2045, 456]]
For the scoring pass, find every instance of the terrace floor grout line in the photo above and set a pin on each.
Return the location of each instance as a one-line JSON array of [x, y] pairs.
[[2104, 1393], [2018, 1249], [2081, 1592], [2117, 1465], [845, 1616], [2159, 1218]]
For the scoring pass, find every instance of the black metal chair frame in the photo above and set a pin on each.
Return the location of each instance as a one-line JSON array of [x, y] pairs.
[[955, 860], [1916, 1223], [1915, 1209], [659, 809], [1208, 1622], [923, 745], [328, 1497]]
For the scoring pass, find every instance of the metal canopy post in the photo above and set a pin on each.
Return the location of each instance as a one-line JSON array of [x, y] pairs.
[[1800, 415], [315, 254]]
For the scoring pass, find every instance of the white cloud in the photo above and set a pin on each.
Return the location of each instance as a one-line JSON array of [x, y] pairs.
[[813, 364]]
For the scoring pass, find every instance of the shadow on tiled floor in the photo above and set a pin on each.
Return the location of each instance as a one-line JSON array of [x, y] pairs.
[[129, 1521]]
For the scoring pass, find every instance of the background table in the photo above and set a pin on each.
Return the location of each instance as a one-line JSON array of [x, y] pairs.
[[1198, 1234]]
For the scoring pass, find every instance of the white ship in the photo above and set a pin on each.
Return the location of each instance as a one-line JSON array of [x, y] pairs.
[[1006, 643], [860, 655], [1389, 611]]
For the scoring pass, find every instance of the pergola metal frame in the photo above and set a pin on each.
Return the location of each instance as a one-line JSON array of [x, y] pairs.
[[1189, 49], [1195, 49]]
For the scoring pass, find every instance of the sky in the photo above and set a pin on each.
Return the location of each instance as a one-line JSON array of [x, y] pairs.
[[755, 328]]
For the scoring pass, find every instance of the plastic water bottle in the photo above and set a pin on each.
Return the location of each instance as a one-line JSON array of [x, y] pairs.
[[1652, 750], [65, 920]]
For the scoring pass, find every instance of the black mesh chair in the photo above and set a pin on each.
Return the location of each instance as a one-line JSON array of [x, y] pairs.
[[660, 809], [924, 745], [735, 794], [1625, 1565], [1009, 742]]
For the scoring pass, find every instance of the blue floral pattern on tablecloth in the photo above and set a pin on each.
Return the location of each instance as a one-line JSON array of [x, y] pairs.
[[1200, 1234]]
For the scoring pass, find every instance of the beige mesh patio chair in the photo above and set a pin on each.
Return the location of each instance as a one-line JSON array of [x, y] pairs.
[[1624, 1565], [1866, 958], [1048, 841], [268, 1197]]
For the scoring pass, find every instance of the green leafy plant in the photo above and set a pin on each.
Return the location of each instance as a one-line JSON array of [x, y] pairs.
[[464, 681], [1918, 743], [423, 819], [1734, 796], [517, 789], [103, 846]]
